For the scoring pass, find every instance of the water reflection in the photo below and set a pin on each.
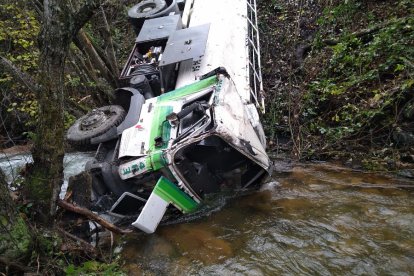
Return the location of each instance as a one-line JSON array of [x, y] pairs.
[[316, 219]]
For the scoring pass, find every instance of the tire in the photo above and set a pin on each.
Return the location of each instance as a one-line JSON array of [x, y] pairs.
[[94, 124], [172, 6], [138, 14], [146, 8]]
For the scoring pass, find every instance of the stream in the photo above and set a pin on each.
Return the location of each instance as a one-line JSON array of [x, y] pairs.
[[73, 163], [316, 219]]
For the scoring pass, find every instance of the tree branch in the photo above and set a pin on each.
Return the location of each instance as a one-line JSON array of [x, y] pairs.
[[38, 6], [110, 50], [18, 75], [84, 243], [89, 214], [86, 45], [83, 15]]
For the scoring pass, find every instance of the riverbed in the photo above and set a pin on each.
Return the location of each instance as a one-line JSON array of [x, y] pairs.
[[308, 219]]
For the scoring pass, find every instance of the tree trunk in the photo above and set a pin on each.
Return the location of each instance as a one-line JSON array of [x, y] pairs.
[[59, 25], [47, 172]]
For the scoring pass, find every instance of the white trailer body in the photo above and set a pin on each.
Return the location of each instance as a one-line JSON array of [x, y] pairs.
[[232, 43]]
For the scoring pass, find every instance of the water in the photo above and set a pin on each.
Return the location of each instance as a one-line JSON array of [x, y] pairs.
[[309, 219], [315, 219], [74, 163]]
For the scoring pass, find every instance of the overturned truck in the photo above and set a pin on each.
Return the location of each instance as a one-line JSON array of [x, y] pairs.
[[186, 123]]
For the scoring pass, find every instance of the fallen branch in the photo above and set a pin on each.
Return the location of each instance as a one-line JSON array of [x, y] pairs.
[[90, 215], [85, 244], [84, 98]]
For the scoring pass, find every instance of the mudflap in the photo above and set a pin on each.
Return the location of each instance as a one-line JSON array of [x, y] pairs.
[[165, 193]]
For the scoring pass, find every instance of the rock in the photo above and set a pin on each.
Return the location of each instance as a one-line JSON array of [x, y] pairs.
[[133, 269], [14, 151], [79, 192]]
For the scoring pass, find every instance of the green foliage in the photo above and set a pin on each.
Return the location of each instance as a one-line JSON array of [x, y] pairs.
[[340, 16], [334, 20], [16, 241], [365, 79], [276, 5], [72, 81], [47, 244], [19, 29], [69, 120], [274, 118], [94, 268], [18, 32], [28, 106]]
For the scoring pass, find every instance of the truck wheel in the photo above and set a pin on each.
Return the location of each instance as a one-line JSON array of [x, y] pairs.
[[150, 9], [94, 124], [145, 9]]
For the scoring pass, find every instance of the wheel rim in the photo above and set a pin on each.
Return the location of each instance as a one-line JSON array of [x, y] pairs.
[[147, 8], [94, 120]]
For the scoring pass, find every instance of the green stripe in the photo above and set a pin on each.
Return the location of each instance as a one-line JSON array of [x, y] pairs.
[[157, 160], [169, 192], [159, 129], [162, 128], [187, 90]]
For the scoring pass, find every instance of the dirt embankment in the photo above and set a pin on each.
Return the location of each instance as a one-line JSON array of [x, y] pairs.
[[339, 77]]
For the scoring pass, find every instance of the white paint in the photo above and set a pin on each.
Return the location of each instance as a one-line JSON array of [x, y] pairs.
[[226, 44], [234, 125], [128, 167], [135, 140], [187, 12], [151, 214]]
